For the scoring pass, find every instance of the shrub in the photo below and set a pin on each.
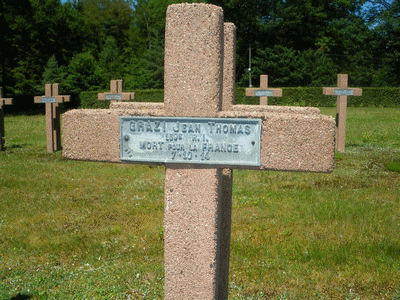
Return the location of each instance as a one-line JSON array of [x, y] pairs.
[[89, 99], [292, 96]]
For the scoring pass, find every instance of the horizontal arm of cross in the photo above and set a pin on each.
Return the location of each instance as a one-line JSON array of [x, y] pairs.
[[277, 109], [330, 91], [250, 92], [58, 99], [6, 101], [111, 96], [290, 142]]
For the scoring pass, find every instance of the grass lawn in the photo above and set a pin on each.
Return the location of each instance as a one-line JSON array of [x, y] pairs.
[[85, 230]]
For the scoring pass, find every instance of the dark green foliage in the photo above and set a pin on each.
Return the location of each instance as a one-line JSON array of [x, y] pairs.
[[312, 96], [34, 32], [377, 97], [301, 96], [89, 100], [146, 72], [383, 17], [84, 44], [110, 65], [149, 95], [103, 19], [288, 67], [82, 73], [298, 96], [53, 74]]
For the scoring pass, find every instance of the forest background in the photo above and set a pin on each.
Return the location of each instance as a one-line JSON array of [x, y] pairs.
[[83, 44]]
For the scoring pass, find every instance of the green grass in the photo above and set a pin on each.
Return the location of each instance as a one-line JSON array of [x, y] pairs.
[[85, 230], [376, 127]]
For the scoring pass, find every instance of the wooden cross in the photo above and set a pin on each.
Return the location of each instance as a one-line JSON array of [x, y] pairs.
[[116, 94], [263, 92], [52, 100], [180, 135], [342, 91], [3, 101]]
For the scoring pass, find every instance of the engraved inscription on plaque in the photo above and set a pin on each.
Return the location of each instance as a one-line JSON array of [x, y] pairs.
[[343, 92], [48, 100], [114, 97], [264, 93], [225, 141]]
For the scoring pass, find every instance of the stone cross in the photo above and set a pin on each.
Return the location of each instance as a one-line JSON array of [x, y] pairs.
[[198, 143], [228, 101], [263, 92], [342, 91], [52, 100], [3, 101], [116, 94]]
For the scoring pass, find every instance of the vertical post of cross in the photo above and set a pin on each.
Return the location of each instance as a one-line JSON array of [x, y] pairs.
[[116, 86], [341, 112], [228, 94], [56, 120], [52, 99], [49, 120], [263, 92], [228, 100], [3, 101], [342, 91], [193, 87]]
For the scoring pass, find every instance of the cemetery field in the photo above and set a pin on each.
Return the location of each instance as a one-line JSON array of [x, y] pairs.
[[85, 230]]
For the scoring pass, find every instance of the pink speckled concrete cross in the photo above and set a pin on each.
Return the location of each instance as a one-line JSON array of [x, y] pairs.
[[341, 91], [263, 90], [197, 207], [116, 94], [3, 101], [52, 115]]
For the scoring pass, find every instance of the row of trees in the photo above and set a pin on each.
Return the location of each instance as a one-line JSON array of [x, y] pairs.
[[83, 44]]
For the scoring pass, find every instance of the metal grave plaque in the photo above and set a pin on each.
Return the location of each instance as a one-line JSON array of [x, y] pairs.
[[343, 92], [264, 93], [224, 141], [48, 100], [114, 97]]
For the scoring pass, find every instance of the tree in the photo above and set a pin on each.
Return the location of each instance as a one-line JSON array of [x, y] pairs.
[[335, 27], [384, 19], [146, 68], [298, 42], [35, 31], [147, 71], [82, 74], [110, 65], [104, 18], [290, 67], [53, 73]]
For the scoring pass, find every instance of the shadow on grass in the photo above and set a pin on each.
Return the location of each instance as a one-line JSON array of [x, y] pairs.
[[21, 297], [16, 146], [393, 166]]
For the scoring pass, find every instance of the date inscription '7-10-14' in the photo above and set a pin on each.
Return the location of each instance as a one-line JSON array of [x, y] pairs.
[[224, 141]]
